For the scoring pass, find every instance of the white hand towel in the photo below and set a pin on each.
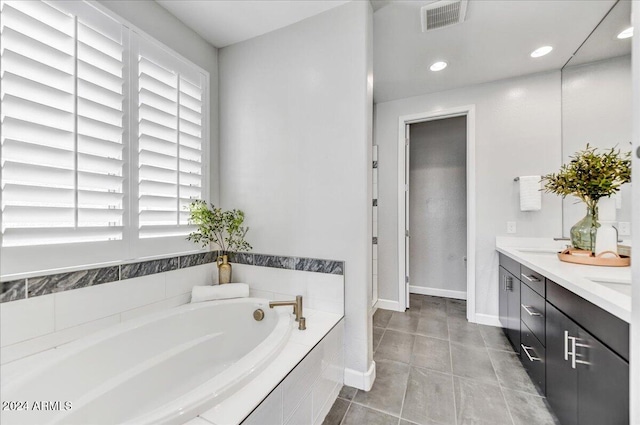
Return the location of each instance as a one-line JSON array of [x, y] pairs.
[[219, 292], [530, 194]]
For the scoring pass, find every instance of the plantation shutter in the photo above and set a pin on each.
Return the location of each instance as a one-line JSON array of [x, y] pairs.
[[170, 117], [62, 153]]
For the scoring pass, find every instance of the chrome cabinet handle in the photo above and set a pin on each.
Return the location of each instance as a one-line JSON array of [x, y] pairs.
[[566, 345], [530, 278], [509, 283], [531, 313], [526, 351], [573, 352]]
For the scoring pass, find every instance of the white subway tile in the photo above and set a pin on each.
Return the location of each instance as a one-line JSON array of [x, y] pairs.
[[299, 381], [84, 305], [182, 280], [324, 410], [55, 339], [269, 411], [26, 319], [329, 379], [302, 415], [155, 307]]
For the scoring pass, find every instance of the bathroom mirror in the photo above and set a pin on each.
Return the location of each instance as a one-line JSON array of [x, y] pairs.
[[596, 103]]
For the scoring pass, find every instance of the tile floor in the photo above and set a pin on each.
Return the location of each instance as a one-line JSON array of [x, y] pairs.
[[434, 367]]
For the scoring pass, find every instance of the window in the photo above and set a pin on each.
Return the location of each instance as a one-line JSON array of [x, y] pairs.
[[103, 139]]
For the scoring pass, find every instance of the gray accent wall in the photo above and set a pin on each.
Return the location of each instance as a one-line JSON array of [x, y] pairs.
[[438, 205]]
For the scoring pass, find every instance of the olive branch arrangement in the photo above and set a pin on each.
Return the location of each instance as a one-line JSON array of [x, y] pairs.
[[591, 175], [222, 228]]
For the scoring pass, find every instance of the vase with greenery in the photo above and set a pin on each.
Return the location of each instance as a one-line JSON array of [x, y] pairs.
[[223, 229], [590, 176]]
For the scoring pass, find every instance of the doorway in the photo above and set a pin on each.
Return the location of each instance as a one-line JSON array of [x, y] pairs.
[[436, 226], [438, 208]]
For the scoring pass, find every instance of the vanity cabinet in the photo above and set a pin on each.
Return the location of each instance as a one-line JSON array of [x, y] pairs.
[[587, 383], [576, 353], [509, 301]]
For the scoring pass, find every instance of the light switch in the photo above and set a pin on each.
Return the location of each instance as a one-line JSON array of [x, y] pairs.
[[624, 228], [511, 227]]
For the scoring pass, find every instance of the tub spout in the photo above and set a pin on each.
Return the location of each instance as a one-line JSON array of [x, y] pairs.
[[297, 310]]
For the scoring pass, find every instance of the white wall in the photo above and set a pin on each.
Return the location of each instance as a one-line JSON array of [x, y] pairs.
[[596, 109], [635, 308], [517, 133], [295, 109], [152, 18], [438, 206]]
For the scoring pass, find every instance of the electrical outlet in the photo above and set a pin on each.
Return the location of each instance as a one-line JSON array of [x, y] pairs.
[[624, 228], [511, 227]]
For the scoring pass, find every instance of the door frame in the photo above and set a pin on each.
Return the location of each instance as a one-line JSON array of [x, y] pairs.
[[468, 111]]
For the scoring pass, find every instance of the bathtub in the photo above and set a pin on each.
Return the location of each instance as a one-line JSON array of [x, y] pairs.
[[164, 368]]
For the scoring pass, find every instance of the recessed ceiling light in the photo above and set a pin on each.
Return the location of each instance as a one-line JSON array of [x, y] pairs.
[[628, 33], [438, 66], [541, 51]]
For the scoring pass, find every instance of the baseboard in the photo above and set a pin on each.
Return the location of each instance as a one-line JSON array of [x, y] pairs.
[[360, 380], [436, 292], [488, 319], [387, 305]]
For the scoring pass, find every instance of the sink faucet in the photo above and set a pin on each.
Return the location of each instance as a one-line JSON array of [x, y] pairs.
[[297, 310]]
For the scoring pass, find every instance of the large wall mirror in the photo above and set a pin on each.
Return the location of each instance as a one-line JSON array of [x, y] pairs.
[[596, 101]]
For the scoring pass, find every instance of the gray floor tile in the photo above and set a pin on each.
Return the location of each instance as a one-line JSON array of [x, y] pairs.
[[381, 318], [405, 322], [395, 346], [529, 409], [429, 397], [463, 332], [456, 307], [495, 338], [431, 353], [377, 336], [433, 326], [433, 306], [472, 362], [347, 392], [360, 415], [480, 404], [415, 303], [510, 372], [335, 415], [388, 389]]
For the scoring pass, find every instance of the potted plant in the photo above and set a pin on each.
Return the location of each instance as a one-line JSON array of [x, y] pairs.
[[222, 228], [590, 176]]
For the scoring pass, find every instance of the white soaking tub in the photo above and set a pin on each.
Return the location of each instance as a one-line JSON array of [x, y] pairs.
[[165, 368]]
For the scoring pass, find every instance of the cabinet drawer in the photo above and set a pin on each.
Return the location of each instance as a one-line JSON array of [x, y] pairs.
[[533, 357], [510, 265], [533, 312], [533, 280]]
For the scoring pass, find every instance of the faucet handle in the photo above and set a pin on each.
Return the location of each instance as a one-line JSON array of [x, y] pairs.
[[302, 324]]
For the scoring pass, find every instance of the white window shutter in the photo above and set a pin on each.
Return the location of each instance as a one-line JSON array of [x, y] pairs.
[[169, 141]]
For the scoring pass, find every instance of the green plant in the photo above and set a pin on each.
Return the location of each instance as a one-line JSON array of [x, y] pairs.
[[222, 228], [591, 175]]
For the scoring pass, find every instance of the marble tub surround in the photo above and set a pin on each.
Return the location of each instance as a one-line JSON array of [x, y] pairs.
[[316, 265], [607, 287], [18, 289], [13, 290], [300, 386], [321, 291], [32, 325]]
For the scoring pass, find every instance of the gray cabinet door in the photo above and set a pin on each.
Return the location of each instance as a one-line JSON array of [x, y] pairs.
[[503, 295], [603, 383], [513, 310], [562, 378]]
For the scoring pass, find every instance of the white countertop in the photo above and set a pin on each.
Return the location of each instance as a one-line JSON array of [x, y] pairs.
[[607, 287]]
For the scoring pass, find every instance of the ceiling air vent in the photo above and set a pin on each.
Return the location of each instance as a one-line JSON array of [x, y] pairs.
[[442, 13]]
